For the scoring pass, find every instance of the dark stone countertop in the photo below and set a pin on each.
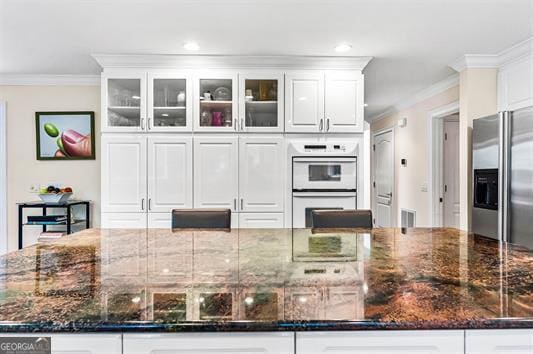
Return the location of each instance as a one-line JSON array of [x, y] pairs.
[[265, 280]]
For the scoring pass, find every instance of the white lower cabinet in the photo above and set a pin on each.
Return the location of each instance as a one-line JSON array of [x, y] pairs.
[[123, 220], [261, 220], [159, 220], [381, 342], [200, 343], [79, 343], [516, 341]]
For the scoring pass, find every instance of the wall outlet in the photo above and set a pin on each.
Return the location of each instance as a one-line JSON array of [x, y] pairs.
[[34, 188], [424, 187]]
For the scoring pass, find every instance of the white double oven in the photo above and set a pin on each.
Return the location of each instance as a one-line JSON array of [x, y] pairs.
[[324, 176]]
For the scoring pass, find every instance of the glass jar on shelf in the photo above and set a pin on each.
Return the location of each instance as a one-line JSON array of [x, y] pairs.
[[205, 118]]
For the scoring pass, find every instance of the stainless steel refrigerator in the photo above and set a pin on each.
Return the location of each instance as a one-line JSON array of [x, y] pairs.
[[502, 161]]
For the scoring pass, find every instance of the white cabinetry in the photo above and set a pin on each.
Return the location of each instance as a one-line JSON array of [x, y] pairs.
[[123, 173], [304, 102], [216, 180], [516, 341], [261, 174], [169, 173], [330, 102], [79, 343], [123, 220], [515, 84], [261, 220], [344, 106], [381, 342], [191, 343]]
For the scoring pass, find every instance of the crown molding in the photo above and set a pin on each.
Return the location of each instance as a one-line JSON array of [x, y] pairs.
[[420, 96], [49, 80], [494, 60], [108, 61]]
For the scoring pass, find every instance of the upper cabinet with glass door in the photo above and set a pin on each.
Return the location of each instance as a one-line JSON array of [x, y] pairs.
[[216, 102], [261, 102], [124, 103], [169, 103]]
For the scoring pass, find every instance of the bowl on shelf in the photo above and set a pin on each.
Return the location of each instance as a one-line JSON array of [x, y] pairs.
[[55, 198]]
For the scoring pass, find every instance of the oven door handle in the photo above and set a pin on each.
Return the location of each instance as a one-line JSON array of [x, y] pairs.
[[329, 160], [324, 194]]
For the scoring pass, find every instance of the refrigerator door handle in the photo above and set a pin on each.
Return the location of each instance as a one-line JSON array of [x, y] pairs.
[[504, 175]]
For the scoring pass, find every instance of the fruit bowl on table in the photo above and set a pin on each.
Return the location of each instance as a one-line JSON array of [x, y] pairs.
[[55, 198]]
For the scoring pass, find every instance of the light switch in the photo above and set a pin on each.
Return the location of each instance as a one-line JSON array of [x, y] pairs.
[[424, 187]]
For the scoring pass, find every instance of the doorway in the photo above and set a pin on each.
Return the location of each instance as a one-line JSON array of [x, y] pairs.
[[444, 166], [383, 183]]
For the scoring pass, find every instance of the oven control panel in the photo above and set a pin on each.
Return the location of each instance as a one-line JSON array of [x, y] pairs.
[[326, 148]]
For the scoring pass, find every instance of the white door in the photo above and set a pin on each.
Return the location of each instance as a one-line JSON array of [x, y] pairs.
[[383, 179], [70, 343], [261, 174], [380, 342], [216, 179], [263, 110], [123, 173], [515, 341], [196, 343], [123, 99], [261, 220], [304, 97], [169, 173], [451, 174], [344, 106], [169, 102]]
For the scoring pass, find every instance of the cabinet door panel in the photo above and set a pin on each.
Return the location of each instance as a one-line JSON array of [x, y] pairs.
[[169, 173], [516, 341], [123, 173], [261, 174], [79, 343], [159, 220], [344, 102], [212, 343], [123, 220], [215, 172], [381, 342], [305, 102], [261, 220]]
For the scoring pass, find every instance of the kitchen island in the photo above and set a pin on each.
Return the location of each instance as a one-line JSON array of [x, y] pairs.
[[367, 291]]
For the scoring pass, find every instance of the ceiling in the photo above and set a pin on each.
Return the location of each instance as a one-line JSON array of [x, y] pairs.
[[412, 41]]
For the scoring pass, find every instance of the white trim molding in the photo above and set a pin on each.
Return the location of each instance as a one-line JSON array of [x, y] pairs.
[[493, 60], [134, 61], [420, 96], [3, 178], [49, 80]]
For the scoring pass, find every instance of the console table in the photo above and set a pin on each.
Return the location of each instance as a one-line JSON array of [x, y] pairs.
[[67, 206]]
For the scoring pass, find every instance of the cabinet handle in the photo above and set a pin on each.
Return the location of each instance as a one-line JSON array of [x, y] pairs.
[[327, 125], [149, 203], [142, 204], [142, 123], [242, 204], [242, 123], [149, 123], [321, 124], [235, 123], [234, 204]]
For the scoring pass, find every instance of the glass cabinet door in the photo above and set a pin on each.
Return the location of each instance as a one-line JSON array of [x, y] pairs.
[[261, 102], [124, 103], [168, 103], [216, 103]]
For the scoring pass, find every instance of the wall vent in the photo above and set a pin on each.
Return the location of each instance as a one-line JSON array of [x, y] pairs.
[[408, 218]]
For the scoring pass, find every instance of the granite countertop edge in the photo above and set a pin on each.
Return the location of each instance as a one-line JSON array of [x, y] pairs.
[[252, 326]]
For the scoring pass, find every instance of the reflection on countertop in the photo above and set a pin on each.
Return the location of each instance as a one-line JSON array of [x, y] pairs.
[[266, 279]]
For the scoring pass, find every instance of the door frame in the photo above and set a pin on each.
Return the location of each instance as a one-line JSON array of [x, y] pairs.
[[3, 178], [394, 204], [435, 173]]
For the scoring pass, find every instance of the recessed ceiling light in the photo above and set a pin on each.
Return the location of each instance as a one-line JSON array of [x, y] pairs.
[[191, 46], [342, 48]]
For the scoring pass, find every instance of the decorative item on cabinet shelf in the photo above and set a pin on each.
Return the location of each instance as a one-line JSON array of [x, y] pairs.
[[222, 94]]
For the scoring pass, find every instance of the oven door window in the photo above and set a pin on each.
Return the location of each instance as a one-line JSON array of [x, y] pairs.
[[325, 173], [309, 216]]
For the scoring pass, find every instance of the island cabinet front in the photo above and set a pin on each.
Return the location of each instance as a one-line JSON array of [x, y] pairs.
[[76, 343], [200, 343], [381, 342]]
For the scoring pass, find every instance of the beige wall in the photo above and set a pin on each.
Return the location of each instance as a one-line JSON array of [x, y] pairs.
[[478, 97], [23, 169], [411, 143]]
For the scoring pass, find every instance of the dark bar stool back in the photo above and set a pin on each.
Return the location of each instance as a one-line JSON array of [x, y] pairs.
[[342, 219], [201, 219]]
